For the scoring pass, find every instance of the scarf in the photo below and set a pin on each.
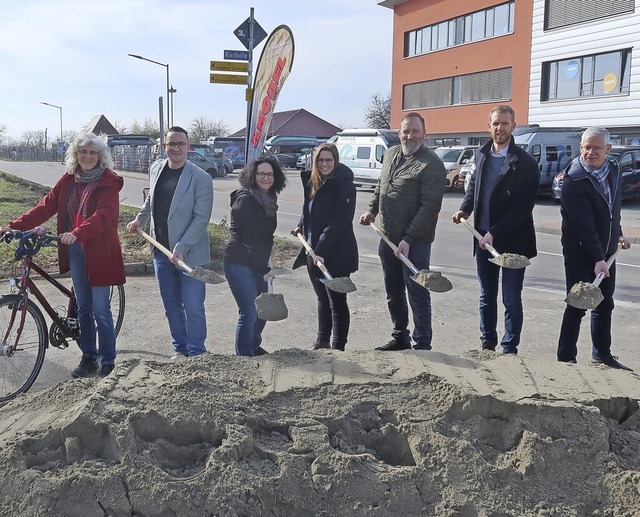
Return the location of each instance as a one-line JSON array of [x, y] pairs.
[[267, 201], [600, 175], [90, 178]]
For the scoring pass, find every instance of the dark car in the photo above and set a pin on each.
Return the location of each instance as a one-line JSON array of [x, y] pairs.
[[628, 160], [287, 160]]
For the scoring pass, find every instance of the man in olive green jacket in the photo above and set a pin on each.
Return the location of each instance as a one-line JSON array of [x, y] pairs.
[[408, 198]]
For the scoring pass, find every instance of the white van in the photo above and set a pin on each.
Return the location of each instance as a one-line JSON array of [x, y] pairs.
[[362, 150], [552, 147]]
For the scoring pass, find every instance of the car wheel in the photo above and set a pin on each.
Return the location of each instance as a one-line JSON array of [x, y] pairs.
[[227, 171], [456, 184], [212, 172]]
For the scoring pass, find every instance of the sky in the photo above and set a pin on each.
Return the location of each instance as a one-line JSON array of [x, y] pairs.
[[73, 53]]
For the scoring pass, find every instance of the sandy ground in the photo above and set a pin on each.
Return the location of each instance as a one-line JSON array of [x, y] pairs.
[[449, 432]]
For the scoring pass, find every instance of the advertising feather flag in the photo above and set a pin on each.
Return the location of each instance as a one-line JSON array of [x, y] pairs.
[[272, 71]]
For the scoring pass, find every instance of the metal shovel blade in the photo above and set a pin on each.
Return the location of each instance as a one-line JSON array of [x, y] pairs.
[[271, 307], [433, 281], [341, 284], [206, 275], [511, 261], [584, 295]]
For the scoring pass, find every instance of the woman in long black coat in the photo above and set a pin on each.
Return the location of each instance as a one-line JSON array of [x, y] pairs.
[[327, 224]]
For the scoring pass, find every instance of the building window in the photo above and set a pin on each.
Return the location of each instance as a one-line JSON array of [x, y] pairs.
[[494, 21], [492, 85], [561, 13], [587, 76]]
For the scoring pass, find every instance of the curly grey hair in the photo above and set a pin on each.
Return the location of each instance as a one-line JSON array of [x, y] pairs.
[[83, 140]]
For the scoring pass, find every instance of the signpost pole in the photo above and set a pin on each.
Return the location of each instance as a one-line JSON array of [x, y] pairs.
[[249, 80]]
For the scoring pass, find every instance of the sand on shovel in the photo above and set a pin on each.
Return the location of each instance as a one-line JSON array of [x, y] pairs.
[[206, 275], [584, 295], [270, 305], [511, 261], [432, 280]]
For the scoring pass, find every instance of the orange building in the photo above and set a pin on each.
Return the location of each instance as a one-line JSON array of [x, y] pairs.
[[454, 60]]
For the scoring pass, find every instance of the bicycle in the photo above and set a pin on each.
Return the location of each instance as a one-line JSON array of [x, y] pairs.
[[23, 328]]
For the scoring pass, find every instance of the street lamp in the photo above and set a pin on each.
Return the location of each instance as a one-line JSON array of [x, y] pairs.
[[60, 108], [166, 65], [172, 90]]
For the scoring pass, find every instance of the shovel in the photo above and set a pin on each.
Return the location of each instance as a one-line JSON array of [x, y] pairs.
[[431, 280], [341, 284], [199, 273], [506, 260], [271, 306], [584, 295]]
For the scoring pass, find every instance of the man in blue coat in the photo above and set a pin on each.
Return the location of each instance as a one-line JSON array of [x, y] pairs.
[[178, 209], [502, 192], [591, 232]]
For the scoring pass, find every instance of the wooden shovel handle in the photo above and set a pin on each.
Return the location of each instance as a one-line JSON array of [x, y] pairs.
[[477, 235], [309, 249], [402, 256], [164, 250], [610, 262]]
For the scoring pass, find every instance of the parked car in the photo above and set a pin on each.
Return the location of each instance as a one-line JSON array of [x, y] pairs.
[[628, 160], [206, 164], [221, 160], [465, 171], [453, 157], [287, 160]]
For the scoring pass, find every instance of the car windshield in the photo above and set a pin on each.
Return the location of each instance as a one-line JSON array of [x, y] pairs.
[[448, 155]]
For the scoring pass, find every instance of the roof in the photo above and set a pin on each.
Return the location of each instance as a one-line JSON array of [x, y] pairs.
[[297, 122], [100, 125]]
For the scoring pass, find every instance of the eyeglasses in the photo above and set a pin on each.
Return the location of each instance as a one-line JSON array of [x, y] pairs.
[[325, 160], [85, 152], [176, 145], [589, 148], [264, 175]]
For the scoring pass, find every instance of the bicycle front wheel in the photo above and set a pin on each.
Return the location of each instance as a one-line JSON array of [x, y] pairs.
[[116, 298], [20, 366]]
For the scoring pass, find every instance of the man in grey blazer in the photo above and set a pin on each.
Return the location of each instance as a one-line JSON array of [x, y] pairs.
[[178, 209]]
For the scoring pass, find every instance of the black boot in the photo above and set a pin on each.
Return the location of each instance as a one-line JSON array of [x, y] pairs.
[[88, 367], [320, 344]]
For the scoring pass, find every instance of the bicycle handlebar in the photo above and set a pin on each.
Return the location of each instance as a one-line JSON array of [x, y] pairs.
[[30, 242]]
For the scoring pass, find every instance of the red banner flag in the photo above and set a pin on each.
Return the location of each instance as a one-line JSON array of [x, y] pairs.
[[272, 71]]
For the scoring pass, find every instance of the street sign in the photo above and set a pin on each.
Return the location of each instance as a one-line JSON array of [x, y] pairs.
[[238, 55], [229, 66], [227, 79], [242, 33]]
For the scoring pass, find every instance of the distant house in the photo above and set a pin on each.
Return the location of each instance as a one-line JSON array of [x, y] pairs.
[[297, 122], [100, 125]]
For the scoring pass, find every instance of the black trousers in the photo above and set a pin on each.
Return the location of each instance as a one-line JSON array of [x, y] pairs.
[[333, 312]]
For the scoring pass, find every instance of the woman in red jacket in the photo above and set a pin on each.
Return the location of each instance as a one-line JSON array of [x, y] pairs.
[[86, 202]]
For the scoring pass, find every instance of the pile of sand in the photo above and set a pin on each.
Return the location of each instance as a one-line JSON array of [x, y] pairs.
[[298, 433]]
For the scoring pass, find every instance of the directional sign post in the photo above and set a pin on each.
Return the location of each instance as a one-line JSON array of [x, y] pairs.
[[228, 79], [228, 66]]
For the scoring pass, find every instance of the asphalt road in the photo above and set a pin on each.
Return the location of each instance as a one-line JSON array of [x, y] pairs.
[[455, 318]]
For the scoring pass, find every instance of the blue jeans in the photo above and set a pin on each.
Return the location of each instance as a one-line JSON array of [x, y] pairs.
[[183, 300], [94, 311], [246, 284], [512, 281], [579, 268], [397, 280]]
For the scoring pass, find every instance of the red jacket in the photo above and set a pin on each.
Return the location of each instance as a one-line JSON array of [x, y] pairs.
[[98, 233]]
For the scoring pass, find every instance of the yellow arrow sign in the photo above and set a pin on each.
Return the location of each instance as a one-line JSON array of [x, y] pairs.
[[229, 66], [227, 79]]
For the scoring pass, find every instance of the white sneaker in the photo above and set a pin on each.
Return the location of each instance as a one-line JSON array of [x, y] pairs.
[[178, 356]]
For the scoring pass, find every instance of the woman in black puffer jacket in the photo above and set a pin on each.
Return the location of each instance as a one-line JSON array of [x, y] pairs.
[[327, 224]]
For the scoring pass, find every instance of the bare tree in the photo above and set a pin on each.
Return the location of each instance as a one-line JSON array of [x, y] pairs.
[[149, 127], [3, 130], [33, 139], [202, 128], [120, 127], [378, 113]]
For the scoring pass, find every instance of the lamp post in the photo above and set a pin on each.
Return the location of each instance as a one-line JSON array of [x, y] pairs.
[[166, 65], [172, 90], [60, 108]]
